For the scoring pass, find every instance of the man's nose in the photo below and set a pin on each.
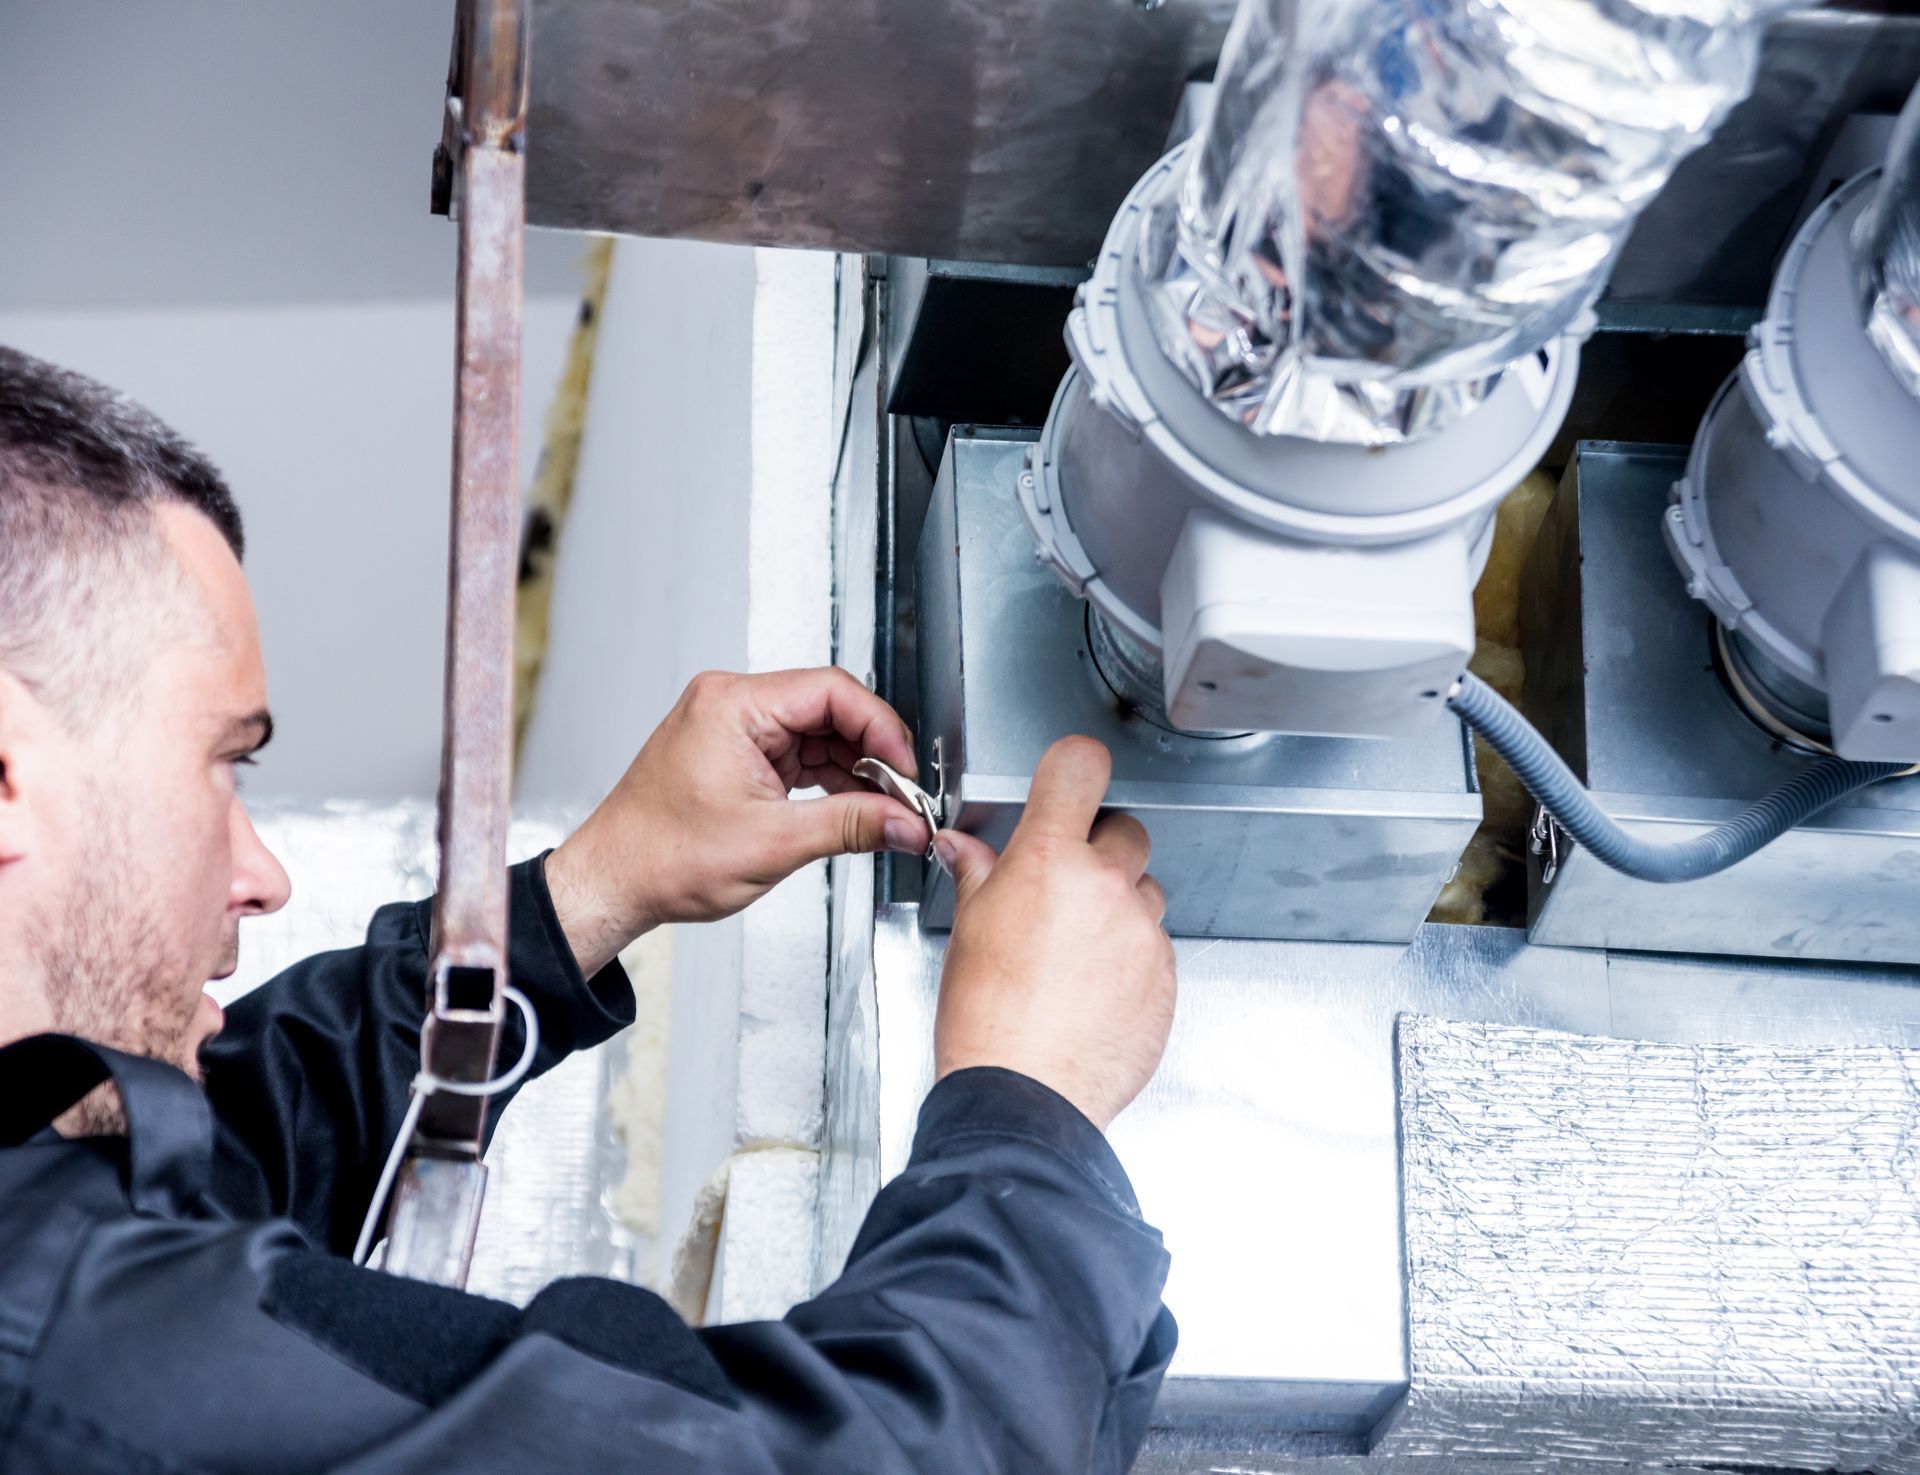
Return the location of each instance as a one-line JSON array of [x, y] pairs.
[[260, 883]]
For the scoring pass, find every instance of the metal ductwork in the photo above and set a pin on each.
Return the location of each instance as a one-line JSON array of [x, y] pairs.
[[1327, 336], [1472, 1282]]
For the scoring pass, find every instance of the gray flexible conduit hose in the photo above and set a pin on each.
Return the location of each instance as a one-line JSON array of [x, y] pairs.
[[1563, 796]]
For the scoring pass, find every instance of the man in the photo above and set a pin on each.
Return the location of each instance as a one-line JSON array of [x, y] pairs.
[[175, 1208]]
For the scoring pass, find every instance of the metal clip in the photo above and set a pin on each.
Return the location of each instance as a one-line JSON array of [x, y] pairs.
[[1543, 838], [940, 779], [898, 786]]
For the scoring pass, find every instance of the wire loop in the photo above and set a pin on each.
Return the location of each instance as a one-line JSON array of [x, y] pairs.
[[425, 1084]]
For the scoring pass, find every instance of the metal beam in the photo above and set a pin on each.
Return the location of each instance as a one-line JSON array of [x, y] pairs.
[[437, 1198]]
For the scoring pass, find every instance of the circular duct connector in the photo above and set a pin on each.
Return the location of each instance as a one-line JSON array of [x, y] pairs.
[[1280, 584], [1798, 520]]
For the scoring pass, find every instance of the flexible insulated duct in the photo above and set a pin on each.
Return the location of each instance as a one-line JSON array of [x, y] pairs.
[[1395, 199], [1814, 789], [1886, 245]]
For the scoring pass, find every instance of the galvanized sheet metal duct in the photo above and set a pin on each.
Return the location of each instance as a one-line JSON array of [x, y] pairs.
[[1395, 199], [1887, 250], [1690, 1254]]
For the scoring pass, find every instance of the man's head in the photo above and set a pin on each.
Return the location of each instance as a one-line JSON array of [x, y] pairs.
[[131, 690]]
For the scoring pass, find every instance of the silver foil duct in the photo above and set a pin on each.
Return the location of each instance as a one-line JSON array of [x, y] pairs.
[[1395, 199], [1667, 1254], [1886, 246]]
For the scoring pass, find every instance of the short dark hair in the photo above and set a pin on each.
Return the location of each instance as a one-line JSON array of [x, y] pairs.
[[59, 429], [86, 581]]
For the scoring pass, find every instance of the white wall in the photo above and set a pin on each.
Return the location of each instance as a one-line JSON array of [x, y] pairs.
[[650, 574], [174, 152]]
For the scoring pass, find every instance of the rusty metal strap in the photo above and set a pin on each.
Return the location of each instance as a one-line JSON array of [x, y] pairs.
[[431, 1228]]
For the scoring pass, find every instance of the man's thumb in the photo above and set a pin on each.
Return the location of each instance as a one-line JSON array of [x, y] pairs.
[[967, 858], [853, 823]]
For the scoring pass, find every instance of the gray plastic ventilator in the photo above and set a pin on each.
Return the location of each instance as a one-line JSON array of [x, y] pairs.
[[1287, 585], [1798, 520]]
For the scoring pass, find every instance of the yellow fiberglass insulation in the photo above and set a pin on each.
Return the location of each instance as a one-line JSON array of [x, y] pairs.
[[1496, 849]]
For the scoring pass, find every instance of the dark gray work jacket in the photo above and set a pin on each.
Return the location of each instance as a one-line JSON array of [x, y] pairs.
[[177, 1301]]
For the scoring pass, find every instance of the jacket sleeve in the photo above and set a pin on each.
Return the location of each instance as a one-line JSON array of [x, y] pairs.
[[309, 1078], [999, 1315], [1000, 1309]]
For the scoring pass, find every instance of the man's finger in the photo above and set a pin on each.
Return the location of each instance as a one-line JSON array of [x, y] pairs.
[[1121, 840], [858, 822], [833, 779], [968, 859], [828, 701], [1067, 788], [1155, 896]]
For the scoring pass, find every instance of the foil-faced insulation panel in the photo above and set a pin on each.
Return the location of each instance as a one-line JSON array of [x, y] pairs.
[[1671, 1254]]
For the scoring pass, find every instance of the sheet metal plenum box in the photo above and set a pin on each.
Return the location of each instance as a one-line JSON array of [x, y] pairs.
[[1621, 678], [1263, 836]]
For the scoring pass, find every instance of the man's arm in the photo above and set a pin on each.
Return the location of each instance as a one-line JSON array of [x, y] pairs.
[[309, 1078], [999, 1312], [1000, 1309]]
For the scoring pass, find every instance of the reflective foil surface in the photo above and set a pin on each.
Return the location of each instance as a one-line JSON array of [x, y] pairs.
[[1660, 1253], [1395, 199], [1886, 247]]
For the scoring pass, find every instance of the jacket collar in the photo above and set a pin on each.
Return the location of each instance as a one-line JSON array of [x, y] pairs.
[[169, 1123]]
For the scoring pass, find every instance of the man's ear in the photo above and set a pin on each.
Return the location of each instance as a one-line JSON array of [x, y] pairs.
[[22, 718]]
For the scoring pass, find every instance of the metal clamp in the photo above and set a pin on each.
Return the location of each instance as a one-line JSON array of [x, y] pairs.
[[1543, 839], [897, 785]]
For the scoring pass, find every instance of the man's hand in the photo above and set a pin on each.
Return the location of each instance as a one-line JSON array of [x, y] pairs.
[[701, 823], [1058, 967]]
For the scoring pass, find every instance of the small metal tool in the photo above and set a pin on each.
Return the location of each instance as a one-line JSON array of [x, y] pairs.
[[899, 786]]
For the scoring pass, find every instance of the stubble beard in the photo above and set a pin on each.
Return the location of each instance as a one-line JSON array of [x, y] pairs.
[[110, 975]]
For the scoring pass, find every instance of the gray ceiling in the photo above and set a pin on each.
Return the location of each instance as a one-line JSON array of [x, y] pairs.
[[209, 152]]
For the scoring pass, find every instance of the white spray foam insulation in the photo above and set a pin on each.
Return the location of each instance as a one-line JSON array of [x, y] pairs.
[[690, 1278], [762, 1271], [783, 989], [768, 1222], [783, 1014]]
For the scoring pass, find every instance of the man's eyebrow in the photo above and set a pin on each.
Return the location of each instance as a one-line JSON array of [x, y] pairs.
[[255, 730]]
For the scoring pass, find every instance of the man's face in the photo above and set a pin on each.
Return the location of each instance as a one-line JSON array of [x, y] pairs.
[[152, 861]]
